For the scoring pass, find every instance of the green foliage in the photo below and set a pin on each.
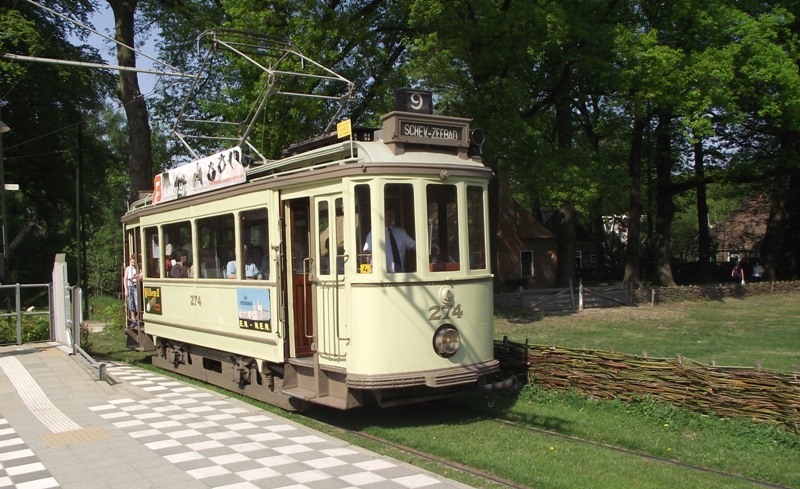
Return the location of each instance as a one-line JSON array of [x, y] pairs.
[[114, 316], [33, 328]]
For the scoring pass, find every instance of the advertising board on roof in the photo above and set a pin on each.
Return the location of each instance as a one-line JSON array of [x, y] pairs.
[[219, 170]]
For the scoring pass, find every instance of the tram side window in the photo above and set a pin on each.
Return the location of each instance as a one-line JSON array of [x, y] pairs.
[[216, 240], [398, 208], [475, 229], [152, 253], [442, 205], [324, 241], [363, 227], [327, 232], [254, 257], [339, 205], [177, 239]]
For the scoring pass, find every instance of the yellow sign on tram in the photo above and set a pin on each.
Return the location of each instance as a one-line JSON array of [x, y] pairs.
[[343, 129]]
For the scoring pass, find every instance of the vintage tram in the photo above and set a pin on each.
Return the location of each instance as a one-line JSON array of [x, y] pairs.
[[355, 269]]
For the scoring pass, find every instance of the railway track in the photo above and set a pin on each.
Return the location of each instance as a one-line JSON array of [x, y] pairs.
[[507, 483]]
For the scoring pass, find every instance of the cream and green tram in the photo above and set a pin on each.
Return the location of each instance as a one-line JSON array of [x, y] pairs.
[[273, 284]]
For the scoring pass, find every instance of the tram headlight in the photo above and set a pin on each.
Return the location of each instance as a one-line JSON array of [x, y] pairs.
[[446, 341]]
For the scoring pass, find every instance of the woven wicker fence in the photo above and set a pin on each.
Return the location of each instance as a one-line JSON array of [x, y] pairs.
[[764, 395]]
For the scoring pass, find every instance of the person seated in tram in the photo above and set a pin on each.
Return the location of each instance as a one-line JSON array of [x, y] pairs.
[[179, 269], [261, 263], [397, 242], [209, 264], [250, 268]]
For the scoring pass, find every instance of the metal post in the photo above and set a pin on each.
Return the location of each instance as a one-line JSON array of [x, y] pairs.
[[19, 316], [6, 278]]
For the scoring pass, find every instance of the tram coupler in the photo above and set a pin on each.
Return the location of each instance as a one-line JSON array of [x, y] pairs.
[[511, 383]]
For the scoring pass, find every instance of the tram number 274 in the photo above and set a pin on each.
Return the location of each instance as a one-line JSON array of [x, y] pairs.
[[439, 313]]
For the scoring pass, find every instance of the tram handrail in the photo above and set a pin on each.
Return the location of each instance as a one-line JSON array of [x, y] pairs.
[[306, 271]]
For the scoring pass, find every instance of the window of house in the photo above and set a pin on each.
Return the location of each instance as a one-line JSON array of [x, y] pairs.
[[526, 263]]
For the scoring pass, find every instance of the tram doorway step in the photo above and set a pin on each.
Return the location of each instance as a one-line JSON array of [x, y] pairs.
[[138, 340], [299, 382]]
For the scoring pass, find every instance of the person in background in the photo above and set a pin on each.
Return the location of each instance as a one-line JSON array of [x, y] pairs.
[[130, 281], [758, 272], [738, 273]]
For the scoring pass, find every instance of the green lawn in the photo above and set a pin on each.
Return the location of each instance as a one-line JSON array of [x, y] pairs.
[[734, 332]]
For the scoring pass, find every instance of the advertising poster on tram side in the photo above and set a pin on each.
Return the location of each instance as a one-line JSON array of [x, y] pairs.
[[219, 170]]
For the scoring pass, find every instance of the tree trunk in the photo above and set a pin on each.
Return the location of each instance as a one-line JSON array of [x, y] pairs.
[[665, 207], [791, 242], [599, 240], [635, 202], [703, 236], [566, 234], [140, 151], [776, 226]]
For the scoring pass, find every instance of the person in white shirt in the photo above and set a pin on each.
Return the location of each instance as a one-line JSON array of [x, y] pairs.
[[250, 268], [397, 242], [130, 279]]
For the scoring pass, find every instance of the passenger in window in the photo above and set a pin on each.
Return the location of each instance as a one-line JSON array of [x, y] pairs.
[[250, 268], [179, 269], [397, 242], [260, 262], [209, 264]]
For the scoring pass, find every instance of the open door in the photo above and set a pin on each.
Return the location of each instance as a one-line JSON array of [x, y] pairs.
[[301, 265]]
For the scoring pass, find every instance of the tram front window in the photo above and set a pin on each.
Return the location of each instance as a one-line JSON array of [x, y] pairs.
[[398, 220], [442, 201], [363, 227]]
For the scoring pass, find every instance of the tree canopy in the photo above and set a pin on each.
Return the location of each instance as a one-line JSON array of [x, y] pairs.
[[656, 114]]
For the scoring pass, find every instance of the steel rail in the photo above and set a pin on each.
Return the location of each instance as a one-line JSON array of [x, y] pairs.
[[626, 451]]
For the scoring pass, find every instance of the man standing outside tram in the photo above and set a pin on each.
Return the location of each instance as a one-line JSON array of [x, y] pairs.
[[130, 280]]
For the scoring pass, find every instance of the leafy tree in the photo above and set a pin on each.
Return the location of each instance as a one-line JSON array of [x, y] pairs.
[[43, 103]]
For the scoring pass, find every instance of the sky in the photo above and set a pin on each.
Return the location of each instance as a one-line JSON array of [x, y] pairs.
[[103, 21]]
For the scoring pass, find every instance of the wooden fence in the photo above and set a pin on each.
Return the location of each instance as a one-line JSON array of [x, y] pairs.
[[554, 301], [764, 395]]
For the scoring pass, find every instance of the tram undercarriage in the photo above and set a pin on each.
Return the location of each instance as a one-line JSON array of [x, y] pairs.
[[299, 384]]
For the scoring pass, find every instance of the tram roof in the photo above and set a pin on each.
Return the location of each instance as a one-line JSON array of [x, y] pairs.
[[395, 144]]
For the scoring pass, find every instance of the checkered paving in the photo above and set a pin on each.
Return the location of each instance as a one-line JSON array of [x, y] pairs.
[[19, 466], [225, 445]]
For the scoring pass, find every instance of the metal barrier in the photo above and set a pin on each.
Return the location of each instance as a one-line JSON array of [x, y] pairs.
[[74, 324], [18, 312]]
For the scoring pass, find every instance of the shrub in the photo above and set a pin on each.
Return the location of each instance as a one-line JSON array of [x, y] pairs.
[[114, 316]]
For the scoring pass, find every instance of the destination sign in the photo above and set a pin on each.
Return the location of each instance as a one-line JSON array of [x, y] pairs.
[[430, 131], [401, 128]]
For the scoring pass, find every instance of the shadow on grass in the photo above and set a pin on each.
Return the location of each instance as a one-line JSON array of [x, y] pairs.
[[458, 411]]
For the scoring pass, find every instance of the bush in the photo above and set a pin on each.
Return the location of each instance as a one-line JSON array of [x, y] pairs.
[[114, 316], [33, 328]]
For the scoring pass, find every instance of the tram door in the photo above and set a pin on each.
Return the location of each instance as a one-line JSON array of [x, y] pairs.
[[301, 265]]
